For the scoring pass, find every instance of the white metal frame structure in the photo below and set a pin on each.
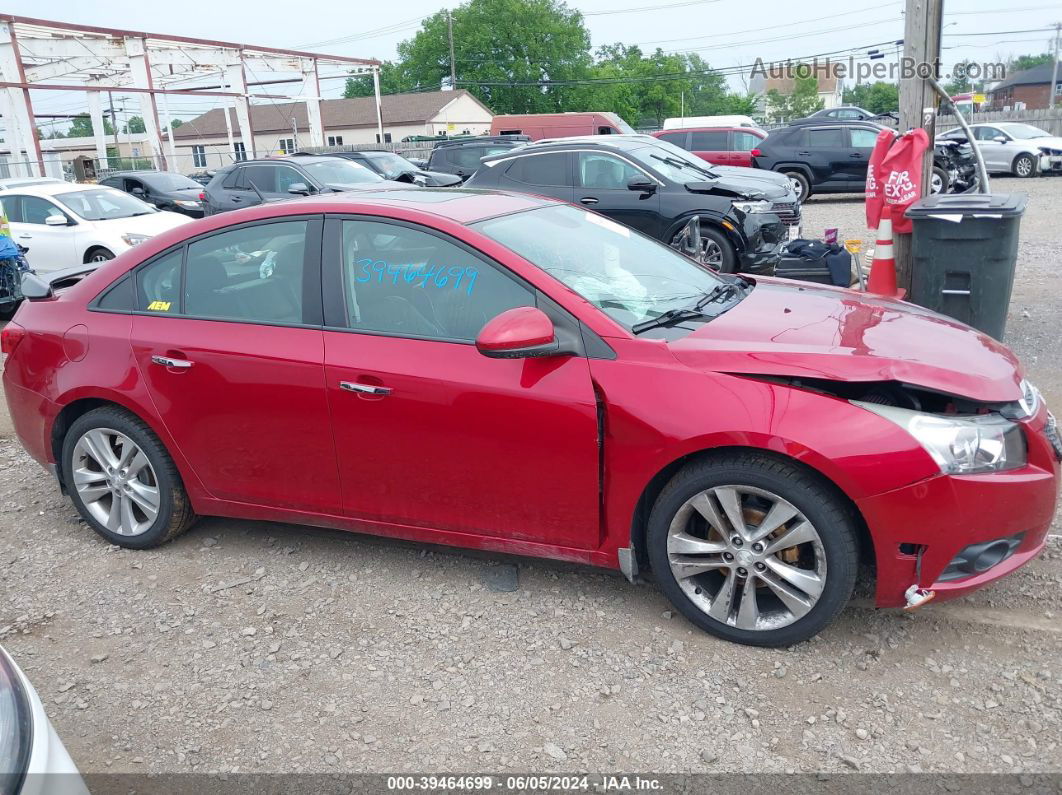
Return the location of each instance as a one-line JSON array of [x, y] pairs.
[[57, 56]]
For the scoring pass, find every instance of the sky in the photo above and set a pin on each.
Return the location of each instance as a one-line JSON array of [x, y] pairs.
[[727, 33]]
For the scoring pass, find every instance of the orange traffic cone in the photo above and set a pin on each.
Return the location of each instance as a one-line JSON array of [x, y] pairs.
[[883, 269]]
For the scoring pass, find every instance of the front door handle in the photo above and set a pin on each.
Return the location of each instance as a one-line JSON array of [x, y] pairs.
[[25, 237], [855, 154], [167, 361], [804, 154], [368, 389], [588, 200]]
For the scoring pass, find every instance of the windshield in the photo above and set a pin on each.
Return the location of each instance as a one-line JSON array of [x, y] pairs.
[[390, 164], [335, 171], [1024, 132], [171, 182], [672, 162], [103, 204], [629, 277]]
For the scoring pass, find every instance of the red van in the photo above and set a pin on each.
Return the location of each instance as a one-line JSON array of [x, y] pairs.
[[559, 125], [723, 146]]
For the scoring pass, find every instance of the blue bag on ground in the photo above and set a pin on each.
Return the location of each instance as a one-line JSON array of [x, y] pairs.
[[815, 261]]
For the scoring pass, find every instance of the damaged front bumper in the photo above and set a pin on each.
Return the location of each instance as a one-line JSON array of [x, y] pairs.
[[983, 527]]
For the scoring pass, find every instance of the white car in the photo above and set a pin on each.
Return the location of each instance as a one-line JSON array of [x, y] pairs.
[[1014, 147], [33, 760], [64, 224]]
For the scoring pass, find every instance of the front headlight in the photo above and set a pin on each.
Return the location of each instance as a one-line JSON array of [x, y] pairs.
[[132, 239], [16, 727], [753, 207], [961, 445], [188, 205]]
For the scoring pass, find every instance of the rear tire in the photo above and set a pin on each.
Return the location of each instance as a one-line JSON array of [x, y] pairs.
[[122, 480], [799, 575], [1024, 166], [800, 184]]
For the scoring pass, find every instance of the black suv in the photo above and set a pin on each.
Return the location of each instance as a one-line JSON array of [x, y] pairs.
[[655, 188], [164, 189], [461, 157], [832, 157], [395, 167], [251, 182]]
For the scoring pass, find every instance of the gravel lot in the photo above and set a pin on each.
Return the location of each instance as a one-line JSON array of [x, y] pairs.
[[248, 646]]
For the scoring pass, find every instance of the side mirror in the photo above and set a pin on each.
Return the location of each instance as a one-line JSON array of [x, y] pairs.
[[420, 179], [56, 220], [34, 287], [299, 188], [1001, 139], [642, 184], [520, 333], [137, 191]]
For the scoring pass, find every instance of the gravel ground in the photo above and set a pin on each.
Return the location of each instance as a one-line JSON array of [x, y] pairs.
[[250, 646]]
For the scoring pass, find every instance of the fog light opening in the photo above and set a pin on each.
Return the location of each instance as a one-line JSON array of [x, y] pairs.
[[991, 555]]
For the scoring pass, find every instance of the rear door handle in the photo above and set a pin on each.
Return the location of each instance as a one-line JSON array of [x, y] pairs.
[[166, 361], [804, 154], [855, 154], [368, 389], [26, 237], [588, 200]]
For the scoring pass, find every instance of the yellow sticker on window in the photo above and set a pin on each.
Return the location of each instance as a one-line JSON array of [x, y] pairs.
[[159, 306]]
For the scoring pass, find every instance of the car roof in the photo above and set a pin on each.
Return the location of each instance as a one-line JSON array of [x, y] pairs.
[[715, 128], [54, 188], [515, 140]]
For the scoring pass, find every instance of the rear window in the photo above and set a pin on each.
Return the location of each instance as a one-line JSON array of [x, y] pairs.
[[678, 139], [708, 141], [551, 169], [830, 137]]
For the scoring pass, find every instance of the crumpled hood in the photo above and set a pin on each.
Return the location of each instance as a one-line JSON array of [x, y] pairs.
[[791, 329], [757, 175], [743, 183], [1053, 142]]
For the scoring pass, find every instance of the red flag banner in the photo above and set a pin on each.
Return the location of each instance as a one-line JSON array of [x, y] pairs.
[[901, 177], [875, 197]]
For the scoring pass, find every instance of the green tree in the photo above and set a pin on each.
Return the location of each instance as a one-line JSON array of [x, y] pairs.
[[135, 125], [175, 124], [879, 97], [498, 42], [1023, 62], [392, 81], [803, 101], [81, 127]]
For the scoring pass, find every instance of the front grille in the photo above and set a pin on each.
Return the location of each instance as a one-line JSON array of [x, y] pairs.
[[789, 212]]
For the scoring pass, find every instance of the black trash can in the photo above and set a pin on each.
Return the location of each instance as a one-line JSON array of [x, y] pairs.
[[964, 248]]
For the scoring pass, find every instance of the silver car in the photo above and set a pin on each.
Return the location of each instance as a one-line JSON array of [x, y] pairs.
[[1014, 147]]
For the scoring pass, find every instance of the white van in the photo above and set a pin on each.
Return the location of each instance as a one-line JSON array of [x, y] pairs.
[[709, 121]]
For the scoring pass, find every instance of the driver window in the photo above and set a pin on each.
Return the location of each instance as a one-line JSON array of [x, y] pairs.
[[409, 283], [605, 172], [286, 177]]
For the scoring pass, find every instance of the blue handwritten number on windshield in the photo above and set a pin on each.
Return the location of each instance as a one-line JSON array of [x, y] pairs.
[[439, 276]]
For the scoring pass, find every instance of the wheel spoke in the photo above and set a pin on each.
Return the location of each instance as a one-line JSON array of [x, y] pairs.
[[730, 499], [96, 444], [129, 522], [685, 544], [147, 497], [749, 610], [724, 599], [807, 581], [138, 463], [801, 534], [683, 567], [780, 513], [91, 493], [114, 516], [705, 506], [798, 605]]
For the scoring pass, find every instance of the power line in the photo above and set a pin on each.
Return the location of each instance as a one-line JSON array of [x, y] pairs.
[[646, 8]]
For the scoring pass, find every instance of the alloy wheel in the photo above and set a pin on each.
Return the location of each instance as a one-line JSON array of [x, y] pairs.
[[798, 187], [115, 481], [1024, 166], [936, 184], [746, 557], [711, 254]]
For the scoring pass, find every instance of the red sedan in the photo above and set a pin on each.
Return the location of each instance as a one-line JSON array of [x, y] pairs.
[[510, 373]]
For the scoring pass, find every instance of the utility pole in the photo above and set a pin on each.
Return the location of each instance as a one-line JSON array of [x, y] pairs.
[[1054, 69], [114, 121], [453, 66], [923, 22]]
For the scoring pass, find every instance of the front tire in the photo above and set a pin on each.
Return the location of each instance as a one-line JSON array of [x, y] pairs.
[[98, 254], [1024, 166], [717, 252], [122, 480], [754, 549], [939, 181]]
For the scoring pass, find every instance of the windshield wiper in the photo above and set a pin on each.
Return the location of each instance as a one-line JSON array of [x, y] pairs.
[[674, 161], [669, 318]]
